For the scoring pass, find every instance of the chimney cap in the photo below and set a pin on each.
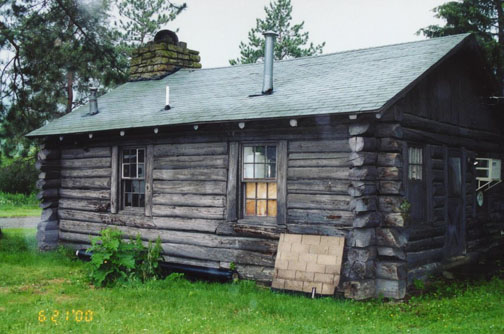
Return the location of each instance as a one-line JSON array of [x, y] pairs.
[[166, 35], [270, 33]]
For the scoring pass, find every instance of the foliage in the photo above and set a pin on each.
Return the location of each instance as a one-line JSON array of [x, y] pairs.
[[484, 18], [405, 208], [32, 281], [54, 49], [115, 261], [8, 199], [18, 175], [142, 18], [291, 41]]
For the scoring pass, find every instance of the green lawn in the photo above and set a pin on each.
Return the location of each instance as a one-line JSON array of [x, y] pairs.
[[28, 211], [31, 282]]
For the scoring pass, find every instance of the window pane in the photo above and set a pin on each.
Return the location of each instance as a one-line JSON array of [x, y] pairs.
[[272, 208], [126, 156], [126, 170], [250, 208], [262, 190], [142, 200], [127, 200], [133, 171], [271, 154], [261, 207], [141, 171], [135, 200], [136, 186], [251, 190], [271, 170], [141, 155], [248, 172], [142, 187], [259, 171], [260, 154], [127, 186], [272, 190], [132, 156], [248, 154]]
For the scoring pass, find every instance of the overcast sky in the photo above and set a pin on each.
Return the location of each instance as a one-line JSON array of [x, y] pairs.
[[215, 28]]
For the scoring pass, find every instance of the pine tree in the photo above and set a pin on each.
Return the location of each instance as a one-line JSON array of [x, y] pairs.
[[484, 18], [54, 49], [141, 19], [291, 41]]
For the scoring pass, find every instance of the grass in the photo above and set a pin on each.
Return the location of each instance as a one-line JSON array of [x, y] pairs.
[[31, 282], [18, 205]]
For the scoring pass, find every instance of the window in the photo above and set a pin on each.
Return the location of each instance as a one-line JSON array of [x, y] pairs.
[[259, 180], [133, 177], [415, 163]]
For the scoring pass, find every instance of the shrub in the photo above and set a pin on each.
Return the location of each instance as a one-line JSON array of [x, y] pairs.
[[18, 176], [115, 261], [18, 200]]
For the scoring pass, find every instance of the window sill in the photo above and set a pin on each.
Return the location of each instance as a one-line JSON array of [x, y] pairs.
[[264, 227], [133, 211]]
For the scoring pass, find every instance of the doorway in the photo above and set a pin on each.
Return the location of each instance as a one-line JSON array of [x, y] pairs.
[[455, 243]]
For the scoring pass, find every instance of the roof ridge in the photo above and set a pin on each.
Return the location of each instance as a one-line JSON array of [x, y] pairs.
[[332, 53]]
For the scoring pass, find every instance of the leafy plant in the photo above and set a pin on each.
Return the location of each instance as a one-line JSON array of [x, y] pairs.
[[419, 284], [115, 261], [405, 209]]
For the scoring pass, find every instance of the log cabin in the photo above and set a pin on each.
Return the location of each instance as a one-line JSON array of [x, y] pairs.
[[386, 148]]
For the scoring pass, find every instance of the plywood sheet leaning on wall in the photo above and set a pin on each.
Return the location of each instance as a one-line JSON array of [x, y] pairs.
[[305, 262]]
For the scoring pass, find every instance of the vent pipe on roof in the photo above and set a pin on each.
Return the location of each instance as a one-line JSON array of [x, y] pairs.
[[93, 101], [269, 48]]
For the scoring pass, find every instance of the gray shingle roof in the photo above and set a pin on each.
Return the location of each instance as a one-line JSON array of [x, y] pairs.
[[353, 81]]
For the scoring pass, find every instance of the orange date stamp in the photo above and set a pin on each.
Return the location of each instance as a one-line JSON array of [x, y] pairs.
[[56, 316]]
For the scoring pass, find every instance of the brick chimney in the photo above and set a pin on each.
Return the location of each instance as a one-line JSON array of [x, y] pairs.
[[162, 57]]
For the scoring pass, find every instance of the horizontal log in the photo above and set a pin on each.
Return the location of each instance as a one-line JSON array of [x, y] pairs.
[[437, 176], [423, 272], [47, 154], [316, 229], [390, 203], [191, 262], [186, 224], [389, 173], [86, 163], [388, 130], [367, 219], [215, 174], [394, 289], [390, 237], [318, 146], [416, 259], [363, 204], [362, 188], [85, 204], [123, 219], [86, 183], [187, 212], [391, 270], [359, 128], [190, 187], [390, 188], [47, 165], [218, 148], [393, 220], [48, 204], [328, 202], [84, 194], [265, 231], [328, 217], [424, 232], [79, 153], [339, 187], [49, 193], [361, 237], [189, 200], [318, 173], [176, 237], [389, 160], [362, 158], [363, 173], [87, 172], [43, 184], [437, 164], [359, 144], [389, 145], [203, 161], [194, 252], [425, 244], [49, 214], [318, 155], [361, 254], [438, 189], [391, 252], [438, 201], [326, 162], [54, 174], [256, 273]]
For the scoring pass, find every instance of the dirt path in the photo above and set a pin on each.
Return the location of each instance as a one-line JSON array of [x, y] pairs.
[[20, 222]]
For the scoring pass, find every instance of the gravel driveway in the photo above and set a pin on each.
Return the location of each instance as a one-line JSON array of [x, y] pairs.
[[20, 222]]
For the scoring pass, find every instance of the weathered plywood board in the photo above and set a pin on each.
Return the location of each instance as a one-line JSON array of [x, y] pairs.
[[304, 262]]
